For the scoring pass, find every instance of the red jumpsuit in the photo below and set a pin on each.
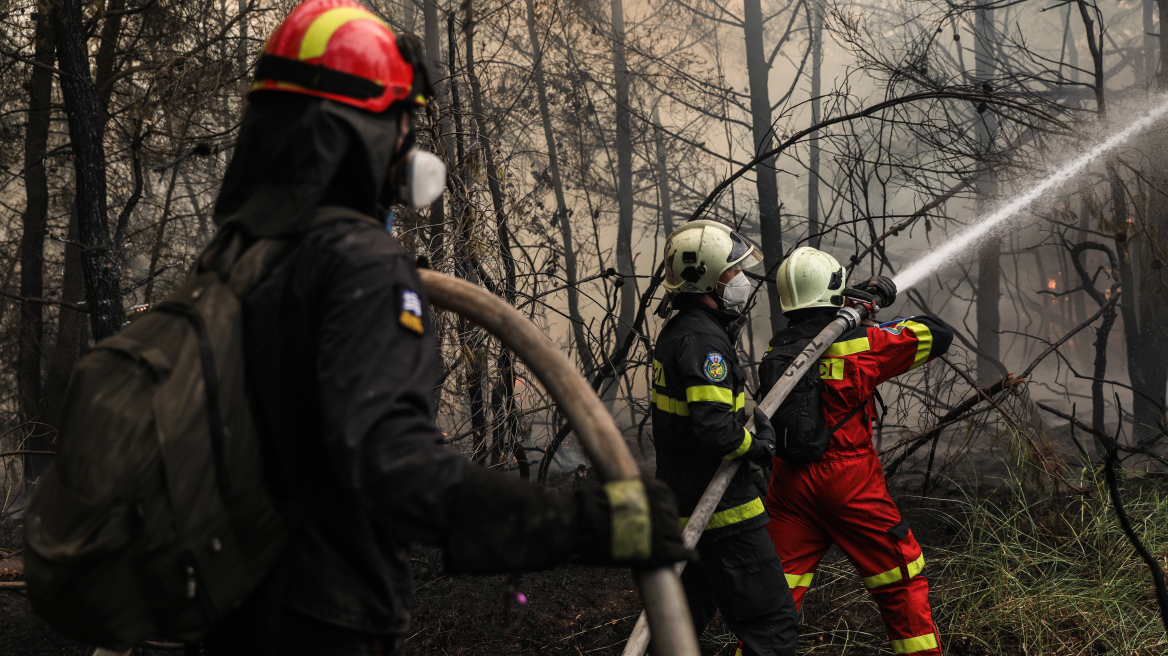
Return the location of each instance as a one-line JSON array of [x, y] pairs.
[[843, 498]]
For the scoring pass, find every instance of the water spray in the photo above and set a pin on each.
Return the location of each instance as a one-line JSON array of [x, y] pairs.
[[961, 243]]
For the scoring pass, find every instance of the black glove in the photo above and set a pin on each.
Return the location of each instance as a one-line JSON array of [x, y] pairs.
[[881, 287], [762, 447], [630, 522], [504, 524]]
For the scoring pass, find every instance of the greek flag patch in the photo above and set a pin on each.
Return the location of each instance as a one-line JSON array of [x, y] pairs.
[[410, 316]]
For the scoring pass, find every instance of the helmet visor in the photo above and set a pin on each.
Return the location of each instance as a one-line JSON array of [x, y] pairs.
[[743, 254]]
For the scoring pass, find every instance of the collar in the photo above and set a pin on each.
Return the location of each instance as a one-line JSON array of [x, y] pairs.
[[730, 321]]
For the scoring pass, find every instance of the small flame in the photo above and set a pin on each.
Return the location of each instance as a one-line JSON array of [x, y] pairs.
[[1051, 284]]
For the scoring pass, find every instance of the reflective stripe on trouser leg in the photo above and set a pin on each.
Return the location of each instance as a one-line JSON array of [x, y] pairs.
[[915, 644], [908, 618]]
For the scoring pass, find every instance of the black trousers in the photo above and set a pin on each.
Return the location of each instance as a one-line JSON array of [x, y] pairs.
[[741, 575], [259, 629]]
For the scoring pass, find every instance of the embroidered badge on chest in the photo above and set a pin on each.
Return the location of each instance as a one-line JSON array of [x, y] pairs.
[[410, 316], [716, 367]]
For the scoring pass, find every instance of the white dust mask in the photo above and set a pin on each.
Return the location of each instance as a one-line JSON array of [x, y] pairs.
[[737, 291], [425, 179]]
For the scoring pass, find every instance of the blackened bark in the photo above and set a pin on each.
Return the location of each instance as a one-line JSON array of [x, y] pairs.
[[101, 268], [443, 140], [32, 243], [471, 338], [503, 393], [814, 226], [580, 337], [769, 215], [1162, 70], [111, 28], [71, 333], [665, 202], [624, 174], [989, 262]]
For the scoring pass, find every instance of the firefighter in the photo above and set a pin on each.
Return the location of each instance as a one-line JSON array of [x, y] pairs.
[[341, 361], [699, 420], [842, 497]]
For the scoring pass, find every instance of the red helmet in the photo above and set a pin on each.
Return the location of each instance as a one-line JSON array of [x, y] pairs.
[[338, 49]]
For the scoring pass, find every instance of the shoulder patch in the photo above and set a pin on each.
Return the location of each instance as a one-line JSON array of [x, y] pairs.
[[894, 327], [715, 367], [410, 311]]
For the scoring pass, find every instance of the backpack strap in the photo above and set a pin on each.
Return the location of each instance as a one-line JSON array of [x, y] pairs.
[[848, 417]]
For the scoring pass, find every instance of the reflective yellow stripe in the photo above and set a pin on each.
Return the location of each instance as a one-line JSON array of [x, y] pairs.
[[924, 342], [316, 37], [891, 576], [916, 566], [894, 575], [731, 515], [832, 368], [710, 394], [799, 580], [913, 645], [852, 346], [658, 373], [738, 651], [670, 405], [742, 448]]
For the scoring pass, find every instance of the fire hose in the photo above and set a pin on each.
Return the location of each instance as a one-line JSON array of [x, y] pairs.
[[847, 318], [666, 610]]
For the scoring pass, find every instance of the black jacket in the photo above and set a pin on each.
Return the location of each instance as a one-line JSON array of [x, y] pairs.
[[341, 363], [698, 413]]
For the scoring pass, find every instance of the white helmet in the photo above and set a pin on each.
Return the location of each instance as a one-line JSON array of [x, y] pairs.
[[697, 253], [810, 278]]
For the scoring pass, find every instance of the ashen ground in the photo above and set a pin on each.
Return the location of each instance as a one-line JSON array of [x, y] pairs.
[[571, 610]]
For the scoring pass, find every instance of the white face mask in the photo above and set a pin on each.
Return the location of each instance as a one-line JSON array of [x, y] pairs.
[[425, 179], [737, 291]]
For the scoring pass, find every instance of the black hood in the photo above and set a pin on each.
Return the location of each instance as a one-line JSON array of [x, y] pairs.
[[296, 153]]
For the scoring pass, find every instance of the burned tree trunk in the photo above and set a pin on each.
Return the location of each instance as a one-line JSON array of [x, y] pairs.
[[815, 12], [579, 336], [769, 216], [624, 166], [32, 244], [102, 270], [989, 260]]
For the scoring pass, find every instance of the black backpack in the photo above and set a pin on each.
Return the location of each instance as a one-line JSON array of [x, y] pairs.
[[801, 435], [154, 518]]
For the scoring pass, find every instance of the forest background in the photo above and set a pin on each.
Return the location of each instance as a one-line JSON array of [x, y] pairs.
[[578, 134]]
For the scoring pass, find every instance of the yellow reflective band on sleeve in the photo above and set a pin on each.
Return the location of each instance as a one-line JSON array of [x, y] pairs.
[[924, 342], [850, 347], [916, 566], [710, 394], [742, 448], [670, 405], [630, 519], [730, 516], [739, 402], [913, 645], [317, 36], [832, 368], [799, 580]]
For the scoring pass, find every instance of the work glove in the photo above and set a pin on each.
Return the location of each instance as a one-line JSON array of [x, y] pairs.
[[881, 287], [762, 447], [504, 524]]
